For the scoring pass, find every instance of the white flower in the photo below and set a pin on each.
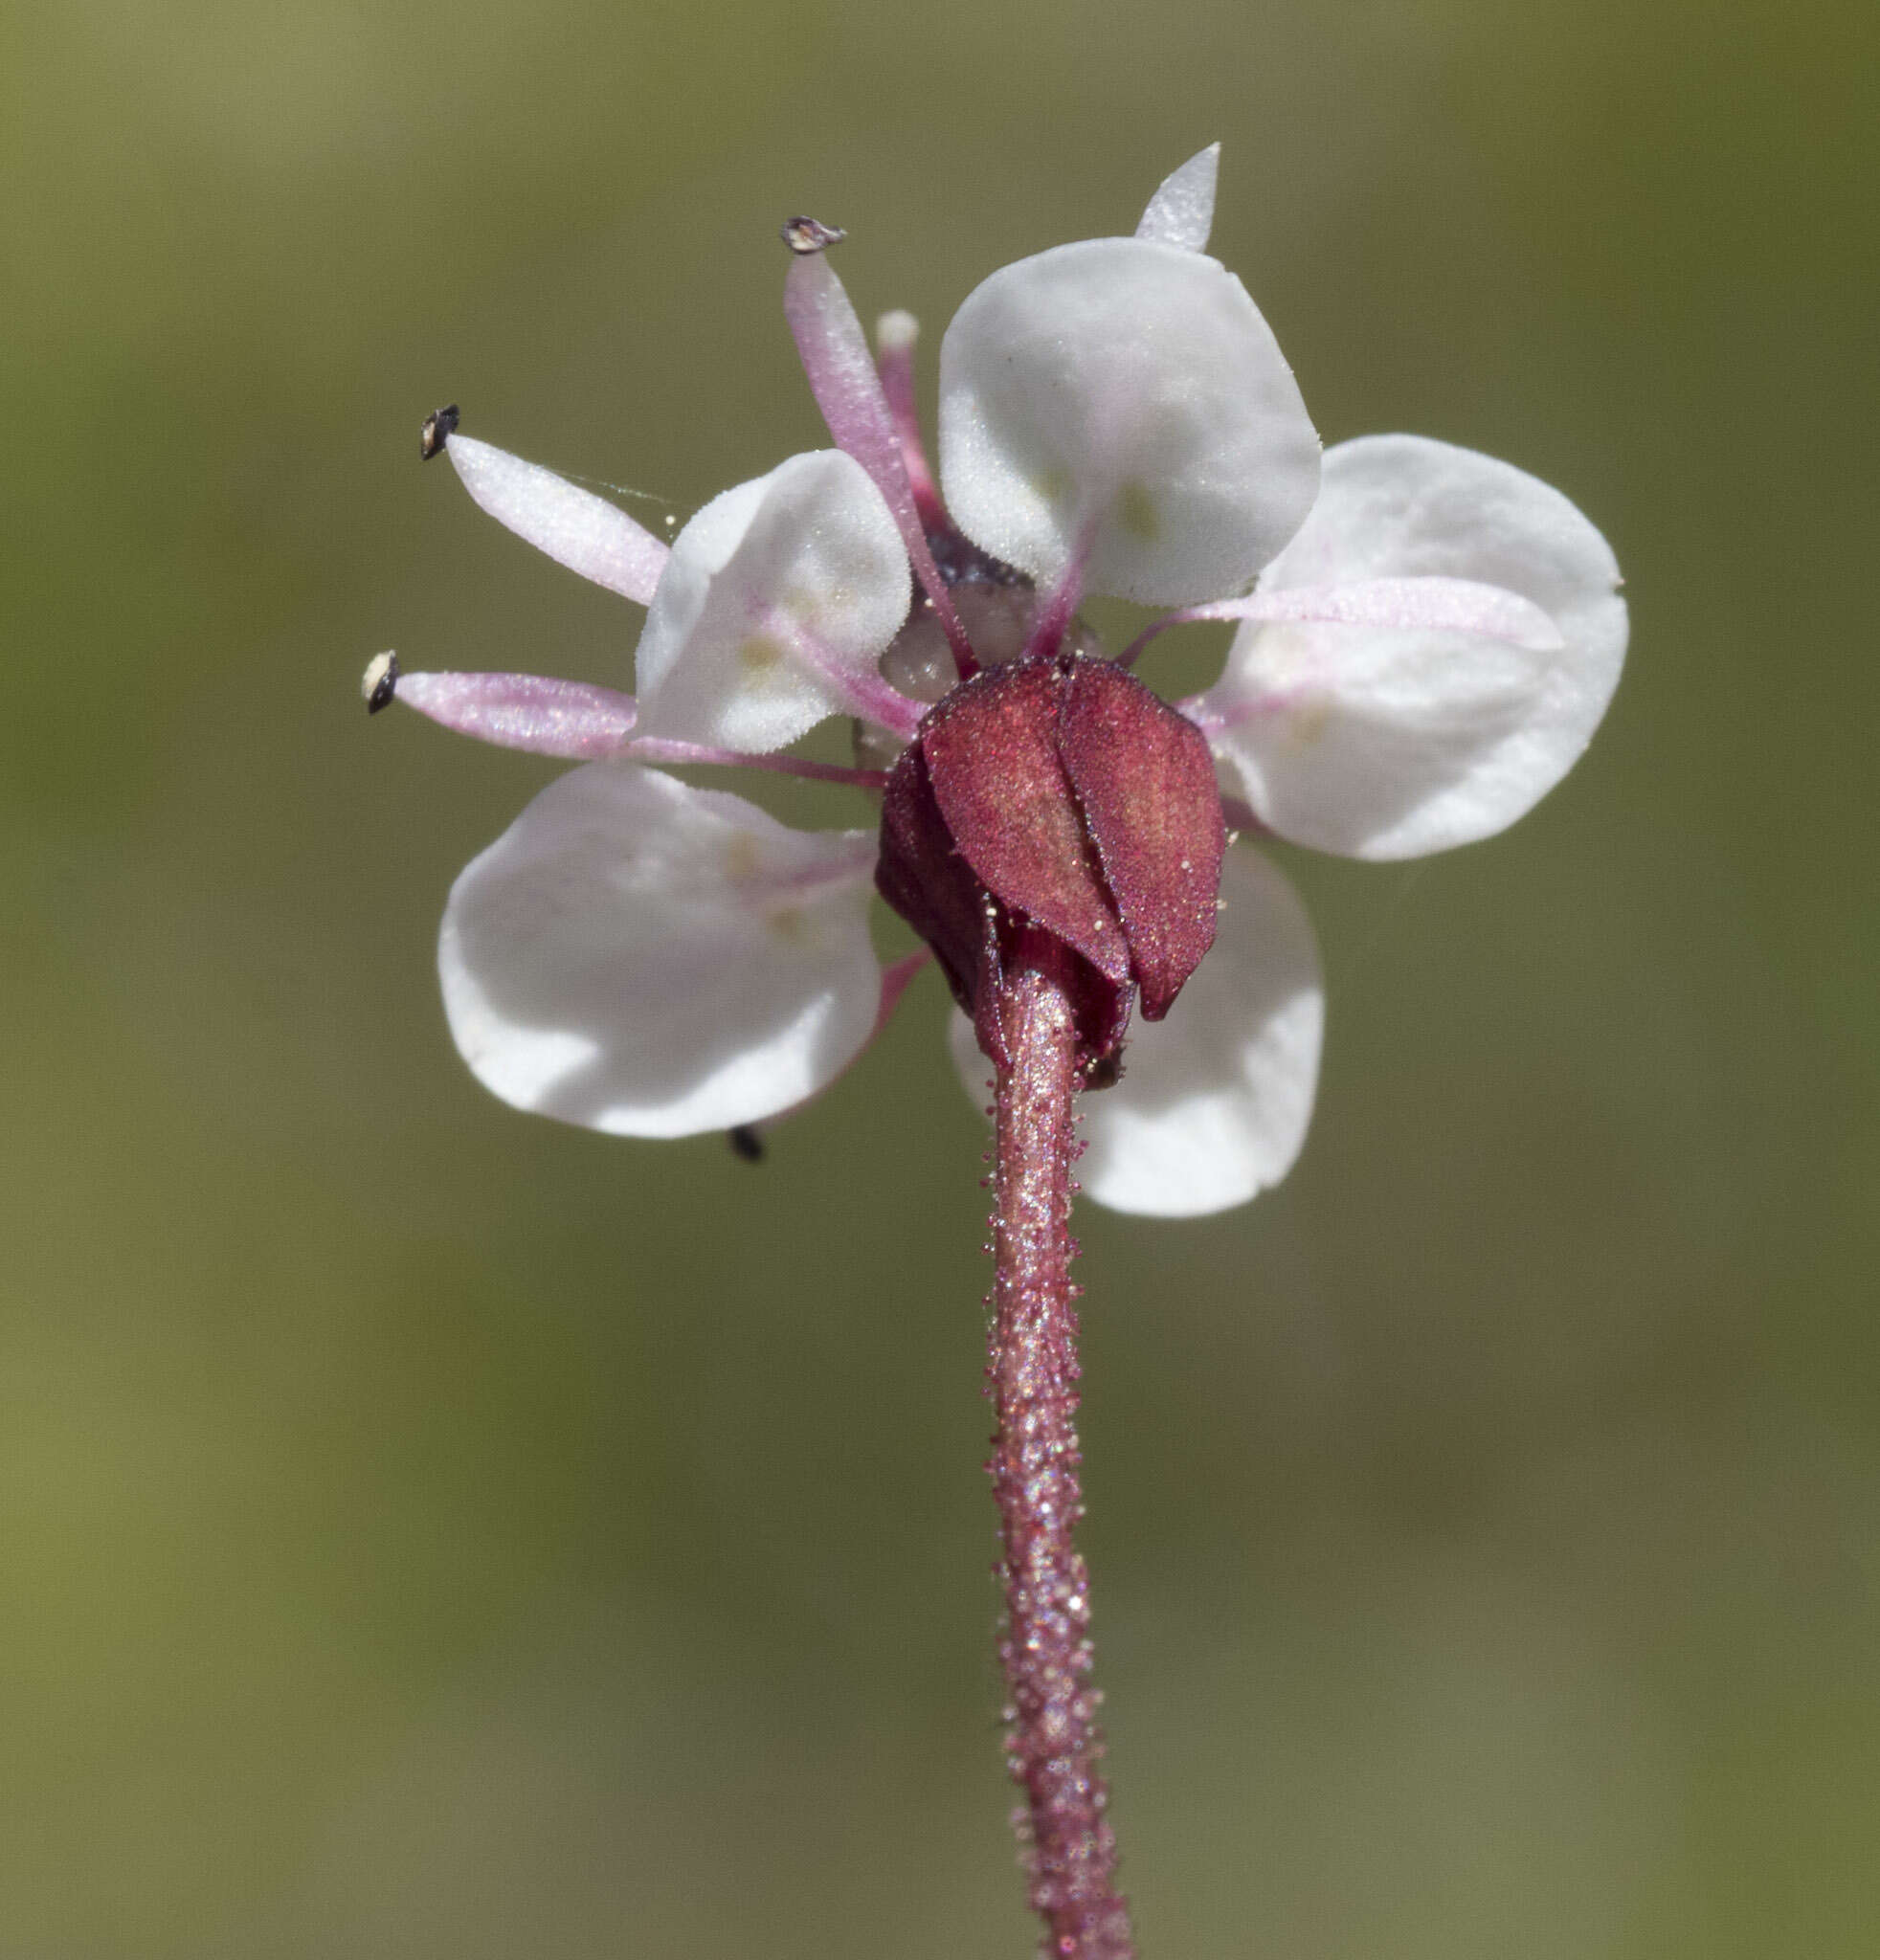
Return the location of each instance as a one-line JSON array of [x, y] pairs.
[[1427, 640]]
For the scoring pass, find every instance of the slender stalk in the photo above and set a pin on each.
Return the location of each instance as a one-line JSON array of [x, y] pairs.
[[1054, 1744]]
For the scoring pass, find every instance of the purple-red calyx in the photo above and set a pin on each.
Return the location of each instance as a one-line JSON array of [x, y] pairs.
[[1056, 797]]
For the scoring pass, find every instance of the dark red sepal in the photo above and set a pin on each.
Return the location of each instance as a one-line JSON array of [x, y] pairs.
[[991, 749], [1145, 779], [922, 875], [1053, 814], [977, 940]]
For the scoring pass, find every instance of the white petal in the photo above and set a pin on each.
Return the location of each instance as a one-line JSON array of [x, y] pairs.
[[574, 526], [1181, 213], [1214, 1101], [1393, 743], [641, 957], [779, 599], [1128, 390]]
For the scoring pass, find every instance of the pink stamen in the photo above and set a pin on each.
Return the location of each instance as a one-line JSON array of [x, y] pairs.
[[864, 695], [1138, 646], [849, 393], [566, 718], [578, 722], [1394, 604], [1211, 719], [576, 528], [659, 748], [1053, 618], [895, 337], [894, 984]]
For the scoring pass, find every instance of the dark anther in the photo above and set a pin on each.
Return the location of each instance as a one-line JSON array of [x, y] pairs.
[[439, 425], [745, 1142], [806, 235], [381, 682]]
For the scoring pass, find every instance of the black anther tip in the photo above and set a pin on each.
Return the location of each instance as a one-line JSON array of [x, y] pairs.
[[806, 236], [438, 427], [381, 685]]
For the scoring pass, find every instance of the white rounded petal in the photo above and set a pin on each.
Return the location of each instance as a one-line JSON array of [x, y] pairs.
[[641, 957], [1128, 389], [1391, 742], [1214, 1101], [776, 602]]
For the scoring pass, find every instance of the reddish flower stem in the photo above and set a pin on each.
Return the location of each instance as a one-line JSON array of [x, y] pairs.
[[1053, 1743]]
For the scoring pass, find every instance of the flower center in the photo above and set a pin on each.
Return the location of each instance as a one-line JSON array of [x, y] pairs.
[[998, 607]]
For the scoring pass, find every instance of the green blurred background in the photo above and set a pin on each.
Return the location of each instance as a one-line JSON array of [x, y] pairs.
[[427, 1532]]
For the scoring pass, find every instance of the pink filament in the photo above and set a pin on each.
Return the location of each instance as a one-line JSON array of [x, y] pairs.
[[849, 393]]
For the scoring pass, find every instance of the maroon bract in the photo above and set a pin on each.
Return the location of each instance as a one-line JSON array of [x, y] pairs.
[[1145, 781], [1058, 795]]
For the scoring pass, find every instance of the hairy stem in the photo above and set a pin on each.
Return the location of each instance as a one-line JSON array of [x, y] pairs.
[[1053, 1743]]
